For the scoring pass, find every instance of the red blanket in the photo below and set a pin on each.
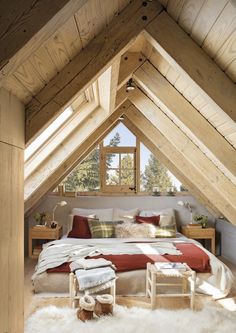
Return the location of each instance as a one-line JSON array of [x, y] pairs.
[[192, 255]]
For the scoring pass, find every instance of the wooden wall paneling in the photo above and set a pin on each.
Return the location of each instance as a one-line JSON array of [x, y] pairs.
[[221, 30], [168, 38], [186, 117], [206, 18], [122, 4], [57, 139], [174, 8], [121, 96], [231, 70], [130, 61], [199, 102], [12, 213], [151, 143], [29, 77], [111, 8], [191, 92], [213, 176], [164, 2], [115, 69], [182, 84], [43, 64], [158, 61], [41, 31], [12, 115], [13, 85], [91, 133], [90, 19], [88, 64], [227, 53], [189, 13], [172, 75]]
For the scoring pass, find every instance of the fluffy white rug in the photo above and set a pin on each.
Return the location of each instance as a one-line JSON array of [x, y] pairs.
[[129, 320]]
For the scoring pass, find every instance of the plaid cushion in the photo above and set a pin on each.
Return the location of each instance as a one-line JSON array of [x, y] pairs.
[[102, 229], [168, 231]]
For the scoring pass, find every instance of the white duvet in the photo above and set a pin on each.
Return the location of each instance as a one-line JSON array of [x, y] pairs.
[[55, 253]]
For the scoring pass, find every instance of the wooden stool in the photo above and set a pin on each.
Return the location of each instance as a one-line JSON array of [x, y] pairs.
[[75, 293], [153, 277]]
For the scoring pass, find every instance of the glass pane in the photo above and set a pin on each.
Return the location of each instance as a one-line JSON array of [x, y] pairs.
[[86, 176], [127, 161], [154, 175], [127, 177], [112, 160], [112, 177], [120, 136]]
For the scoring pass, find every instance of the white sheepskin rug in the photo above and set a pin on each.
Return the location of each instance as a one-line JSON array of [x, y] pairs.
[[133, 320]]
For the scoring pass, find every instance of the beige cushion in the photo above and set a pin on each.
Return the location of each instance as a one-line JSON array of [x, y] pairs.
[[125, 215], [135, 230]]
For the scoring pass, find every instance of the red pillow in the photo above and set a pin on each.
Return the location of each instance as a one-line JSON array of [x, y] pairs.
[[151, 220], [80, 228]]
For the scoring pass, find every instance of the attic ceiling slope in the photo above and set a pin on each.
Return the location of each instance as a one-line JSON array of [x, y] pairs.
[[168, 38], [90, 135], [150, 141], [91, 62]]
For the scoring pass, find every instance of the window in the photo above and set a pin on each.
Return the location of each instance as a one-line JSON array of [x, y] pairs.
[[118, 169], [121, 164]]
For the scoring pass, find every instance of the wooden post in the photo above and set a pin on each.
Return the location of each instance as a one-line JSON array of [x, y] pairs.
[[12, 213]]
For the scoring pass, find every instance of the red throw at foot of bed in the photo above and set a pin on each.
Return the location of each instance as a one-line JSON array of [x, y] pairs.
[[192, 255]]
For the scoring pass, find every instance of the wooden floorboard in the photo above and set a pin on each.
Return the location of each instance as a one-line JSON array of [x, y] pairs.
[[34, 302]]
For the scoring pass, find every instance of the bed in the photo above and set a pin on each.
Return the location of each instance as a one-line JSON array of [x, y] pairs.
[[130, 256]]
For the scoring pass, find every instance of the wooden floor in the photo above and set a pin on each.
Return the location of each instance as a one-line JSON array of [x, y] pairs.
[[33, 302]]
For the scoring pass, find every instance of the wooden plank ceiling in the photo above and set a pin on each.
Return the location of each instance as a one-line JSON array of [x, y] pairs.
[[185, 79]]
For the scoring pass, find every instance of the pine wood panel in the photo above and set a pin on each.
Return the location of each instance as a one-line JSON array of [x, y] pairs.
[[33, 44], [206, 18], [12, 210], [13, 85], [89, 64], [151, 143], [174, 8], [168, 39], [221, 30], [189, 13], [186, 117], [12, 122], [212, 174]]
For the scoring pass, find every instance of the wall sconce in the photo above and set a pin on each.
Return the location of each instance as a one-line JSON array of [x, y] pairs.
[[188, 206], [61, 204], [130, 85]]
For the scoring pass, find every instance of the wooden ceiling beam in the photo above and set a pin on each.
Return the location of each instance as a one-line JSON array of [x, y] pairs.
[[25, 26], [187, 117], [130, 61], [213, 178], [167, 37], [71, 153], [150, 140], [88, 65]]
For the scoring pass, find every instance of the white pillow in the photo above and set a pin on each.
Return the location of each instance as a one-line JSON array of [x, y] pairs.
[[135, 230], [102, 214], [125, 215], [163, 212]]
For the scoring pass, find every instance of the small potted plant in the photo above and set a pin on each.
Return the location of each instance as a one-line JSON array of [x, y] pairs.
[[41, 218], [201, 219]]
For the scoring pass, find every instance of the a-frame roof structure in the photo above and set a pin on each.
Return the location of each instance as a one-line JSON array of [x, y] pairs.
[[181, 57]]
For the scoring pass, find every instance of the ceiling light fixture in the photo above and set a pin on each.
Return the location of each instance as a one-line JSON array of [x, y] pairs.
[[130, 85]]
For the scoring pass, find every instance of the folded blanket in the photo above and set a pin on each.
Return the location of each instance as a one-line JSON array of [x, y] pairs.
[[94, 277], [89, 264]]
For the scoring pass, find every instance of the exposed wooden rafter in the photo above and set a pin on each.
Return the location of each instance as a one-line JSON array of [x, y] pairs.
[[24, 27], [151, 141], [89, 64], [188, 58], [187, 117], [89, 134], [221, 192]]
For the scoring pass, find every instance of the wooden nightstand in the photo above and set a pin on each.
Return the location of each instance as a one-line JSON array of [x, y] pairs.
[[42, 233], [200, 233]]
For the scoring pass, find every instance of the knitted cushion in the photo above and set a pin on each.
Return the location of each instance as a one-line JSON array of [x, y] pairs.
[[102, 229]]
